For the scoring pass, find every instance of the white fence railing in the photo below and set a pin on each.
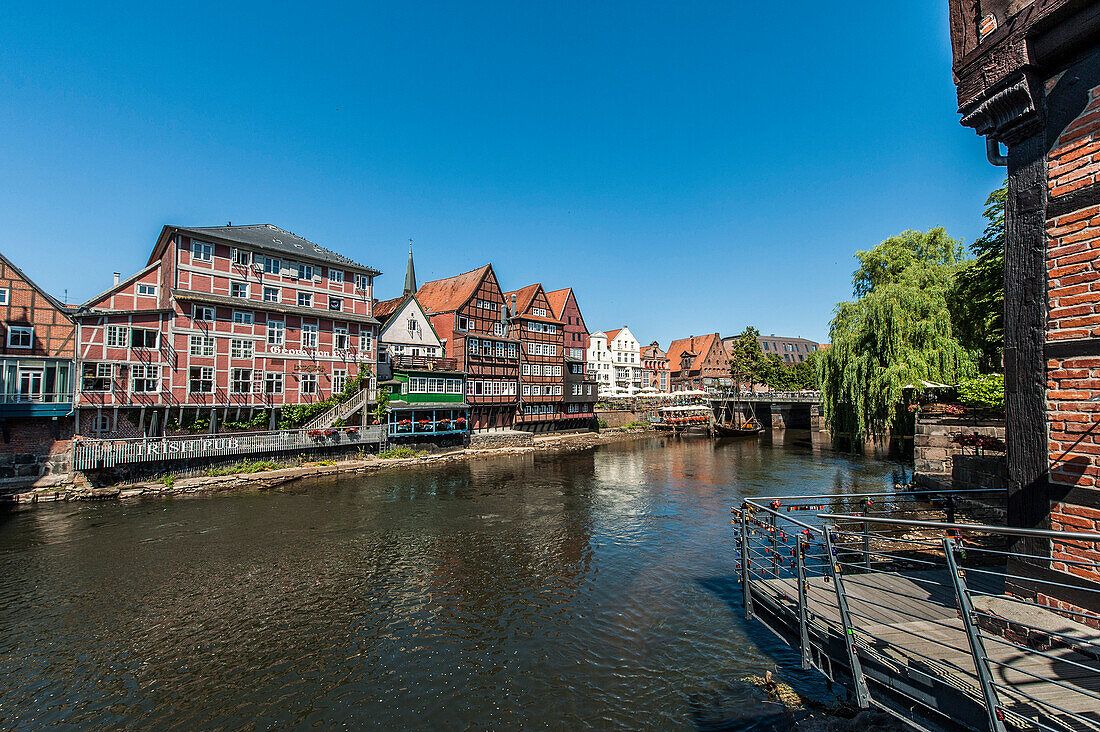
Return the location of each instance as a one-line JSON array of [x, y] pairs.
[[343, 410], [90, 454]]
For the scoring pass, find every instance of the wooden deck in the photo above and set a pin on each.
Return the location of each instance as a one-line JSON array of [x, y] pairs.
[[909, 620]]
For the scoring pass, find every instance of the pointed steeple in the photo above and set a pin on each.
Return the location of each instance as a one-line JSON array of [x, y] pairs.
[[410, 273]]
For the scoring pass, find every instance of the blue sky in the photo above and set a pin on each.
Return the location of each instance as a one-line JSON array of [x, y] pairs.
[[686, 167]]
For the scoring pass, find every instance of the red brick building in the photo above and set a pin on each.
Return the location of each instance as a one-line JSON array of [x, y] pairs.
[[36, 386], [223, 323], [655, 372], [469, 314], [698, 362], [542, 370], [563, 304]]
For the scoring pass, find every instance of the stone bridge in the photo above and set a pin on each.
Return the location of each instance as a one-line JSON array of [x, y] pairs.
[[775, 410]]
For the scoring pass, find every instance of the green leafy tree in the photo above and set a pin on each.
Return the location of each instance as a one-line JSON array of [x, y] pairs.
[[977, 301], [748, 364], [898, 332]]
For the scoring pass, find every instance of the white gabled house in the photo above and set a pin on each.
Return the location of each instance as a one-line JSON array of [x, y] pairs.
[[614, 359], [406, 330]]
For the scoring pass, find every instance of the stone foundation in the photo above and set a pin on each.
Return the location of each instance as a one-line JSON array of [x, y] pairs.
[[493, 440], [933, 451]]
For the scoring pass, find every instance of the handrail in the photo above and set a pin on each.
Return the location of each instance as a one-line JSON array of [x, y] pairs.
[[1004, 530]]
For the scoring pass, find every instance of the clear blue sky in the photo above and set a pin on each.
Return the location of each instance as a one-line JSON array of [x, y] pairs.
[[687, 167]]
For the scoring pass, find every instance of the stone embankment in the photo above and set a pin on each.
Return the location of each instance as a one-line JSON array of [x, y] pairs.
[[482, 446]]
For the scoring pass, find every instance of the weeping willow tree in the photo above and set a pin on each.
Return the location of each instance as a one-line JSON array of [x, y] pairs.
[[898, 332]]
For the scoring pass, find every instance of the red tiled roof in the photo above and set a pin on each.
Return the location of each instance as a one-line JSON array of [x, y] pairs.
[[450, 293], [612, 333], [524, 296], [557, 300], [697, 347], [386, 308]]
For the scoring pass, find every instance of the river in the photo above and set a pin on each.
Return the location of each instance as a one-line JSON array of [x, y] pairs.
[[595, 588]]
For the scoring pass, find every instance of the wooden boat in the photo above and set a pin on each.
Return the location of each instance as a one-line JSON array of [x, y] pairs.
[[685, 419], [750, 428]]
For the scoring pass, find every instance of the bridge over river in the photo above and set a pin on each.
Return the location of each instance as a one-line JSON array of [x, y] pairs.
[[774, 410]]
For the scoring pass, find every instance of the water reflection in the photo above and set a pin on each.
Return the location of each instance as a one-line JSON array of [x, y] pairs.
[[585, 588]]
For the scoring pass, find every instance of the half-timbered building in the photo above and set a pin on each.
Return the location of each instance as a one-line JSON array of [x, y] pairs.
[[469, 314], [36, 387], [698, 363], [563, 304], [223, 323], [542, 375]]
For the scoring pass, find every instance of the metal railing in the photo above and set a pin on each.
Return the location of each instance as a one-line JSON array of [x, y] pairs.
[[344, 409], [920, 596], [424, 363]]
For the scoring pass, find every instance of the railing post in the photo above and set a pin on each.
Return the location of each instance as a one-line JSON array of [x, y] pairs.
[[775, 545], [866, 547], [745, 559], [803, 622], [863, 697], [977, 647]]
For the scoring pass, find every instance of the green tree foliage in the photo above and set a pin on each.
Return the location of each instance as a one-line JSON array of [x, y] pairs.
[[898, 332], [748, 364], [987, 390], [979, 293]]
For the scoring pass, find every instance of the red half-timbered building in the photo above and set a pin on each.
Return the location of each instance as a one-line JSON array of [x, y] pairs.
[[469, 314], [223, 322], [563, 304], [542, 373]]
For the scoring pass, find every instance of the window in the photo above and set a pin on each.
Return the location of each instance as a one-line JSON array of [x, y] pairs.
[[339, 379], [340, 338], [242, 258], [472, 346], [241, 348], [498, 328], [272, 265], [102, 423], [362, 282], [526, 390], [242, 316], [435, 386], [463, 323], [418, 385], [238, 289], [203, 312], [147, 290], [276, 329], [539, 312], [499, 350], [202, 380], [273, 383], [20, 337], [271, 294], [454, 386], [309, 336], [307, 384], [412, 325], [200, 345], [117, 336], [335, 275], [512, 351], [364, 341], [142, 338], [536, 370], [305, 299], [95, 377], [336, 304], [557, 390], [536, 390], [201, 251], [305, 271], [4, 296], [526, 369], [145, 378], [241, 383]]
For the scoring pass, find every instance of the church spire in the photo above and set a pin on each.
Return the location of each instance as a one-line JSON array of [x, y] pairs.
[[410, 273]]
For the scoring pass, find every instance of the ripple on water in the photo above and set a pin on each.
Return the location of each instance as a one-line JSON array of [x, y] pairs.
[[593, 588]]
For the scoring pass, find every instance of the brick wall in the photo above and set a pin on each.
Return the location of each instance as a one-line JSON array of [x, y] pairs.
[[32, 456]]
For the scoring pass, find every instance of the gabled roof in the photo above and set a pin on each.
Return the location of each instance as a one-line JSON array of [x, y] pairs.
[[451, 293], [261, 236], [557, 300], [524, 297], [697, 347], [120, 286], [22, 275], [384, 310], [612, 333]]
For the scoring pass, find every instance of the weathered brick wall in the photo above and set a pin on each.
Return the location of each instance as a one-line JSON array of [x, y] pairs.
[[1073, 288], [32, 456], [933, 450], [620, 417]]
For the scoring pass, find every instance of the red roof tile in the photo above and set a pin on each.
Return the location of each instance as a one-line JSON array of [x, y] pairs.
[[524, 296], [697, 346], [386, 308], [557, 300], [450, 293]]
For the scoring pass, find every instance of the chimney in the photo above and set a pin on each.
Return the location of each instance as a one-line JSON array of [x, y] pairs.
[[513, 304], [118, 277]]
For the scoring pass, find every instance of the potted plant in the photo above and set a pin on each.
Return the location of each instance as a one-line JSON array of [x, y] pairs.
[[424, 424], [404, 425], [460, 423]]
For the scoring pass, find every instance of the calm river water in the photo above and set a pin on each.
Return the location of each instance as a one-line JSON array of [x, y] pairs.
[[561, 590]]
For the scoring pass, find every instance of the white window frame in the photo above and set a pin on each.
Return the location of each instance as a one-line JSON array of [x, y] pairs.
[[276, 332], [310, 381], [118, 336], [144, 372], [276, 291], [308, 296], [242, 257], [243, 317], [273, 382], [5, 296], [235, 381], [202, 251], [335, 275], [242, 348], [156, 339], [206, 374], [151, 290], [340, 339], [306, 271], [273, 265], [313, 333], [234, 287], [362, 282], [22, 331], [203, 310], [366, 340], [200, 345]]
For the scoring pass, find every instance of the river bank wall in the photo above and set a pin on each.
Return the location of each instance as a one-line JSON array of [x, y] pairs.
[[491, 445]]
